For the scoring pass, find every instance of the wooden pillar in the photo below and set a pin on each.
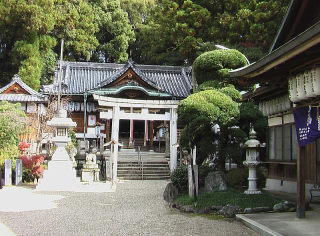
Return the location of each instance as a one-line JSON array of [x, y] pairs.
[[108, 130], [151, 134], [131, 130], [301, 180], [145, 133]]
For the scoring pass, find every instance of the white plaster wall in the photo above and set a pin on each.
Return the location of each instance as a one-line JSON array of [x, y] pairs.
[[288, 119], [285, 186], [275, 121]]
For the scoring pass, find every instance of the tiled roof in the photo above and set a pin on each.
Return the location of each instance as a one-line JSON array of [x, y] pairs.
[[79, 77], [21, 98], [33, 96]]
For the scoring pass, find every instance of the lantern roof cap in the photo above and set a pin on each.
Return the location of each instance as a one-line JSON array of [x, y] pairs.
[[62, 121], [252, 142]]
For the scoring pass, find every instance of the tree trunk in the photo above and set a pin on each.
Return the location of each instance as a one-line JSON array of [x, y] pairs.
[[191, 162], [223, 143]]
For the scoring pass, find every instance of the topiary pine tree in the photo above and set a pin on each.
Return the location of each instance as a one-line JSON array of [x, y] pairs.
[[217, 102]]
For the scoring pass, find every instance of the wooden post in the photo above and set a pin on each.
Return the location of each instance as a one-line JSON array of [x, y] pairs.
[[301, 179], [151, 135], [108, 131]]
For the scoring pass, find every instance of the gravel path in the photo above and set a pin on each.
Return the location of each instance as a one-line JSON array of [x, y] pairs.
[[134, 208]]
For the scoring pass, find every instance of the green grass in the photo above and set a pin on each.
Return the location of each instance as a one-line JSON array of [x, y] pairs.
[[230, 196]]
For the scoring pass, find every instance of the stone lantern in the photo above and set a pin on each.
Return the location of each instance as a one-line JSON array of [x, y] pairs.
[[60, 174], [252, 161], [61, 123]]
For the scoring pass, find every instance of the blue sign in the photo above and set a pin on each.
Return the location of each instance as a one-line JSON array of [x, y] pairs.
[[307, 124]]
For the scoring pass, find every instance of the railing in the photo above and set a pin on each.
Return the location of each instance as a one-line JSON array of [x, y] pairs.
[[140, 161]]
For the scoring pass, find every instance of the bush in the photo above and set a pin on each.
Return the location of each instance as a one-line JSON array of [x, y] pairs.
[[179, 178], [33, 167], [204, 170], [216, 64], [238, 178]]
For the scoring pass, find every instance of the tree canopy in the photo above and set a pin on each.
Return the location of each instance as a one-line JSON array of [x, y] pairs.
[[181, 28], [166, 32], [30, 35], [215, 65], [214, 119], [13, 122], [115, 31], [201, 111]]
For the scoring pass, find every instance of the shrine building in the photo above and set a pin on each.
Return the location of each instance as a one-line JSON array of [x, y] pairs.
[[130, 104]]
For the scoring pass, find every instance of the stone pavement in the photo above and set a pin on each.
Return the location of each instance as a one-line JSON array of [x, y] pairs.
[[133, 208], [284, 223]]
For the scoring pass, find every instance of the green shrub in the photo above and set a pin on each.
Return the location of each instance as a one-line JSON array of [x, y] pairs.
[[204, 170], [215, 65], [238, 178], [179, 178]]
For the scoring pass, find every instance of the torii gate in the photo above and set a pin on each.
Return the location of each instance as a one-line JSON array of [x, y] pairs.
[[116, 115]]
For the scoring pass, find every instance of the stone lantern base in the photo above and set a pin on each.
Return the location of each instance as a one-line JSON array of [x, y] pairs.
[[252, 192], [90, 173], [252, 166], [60, 175]]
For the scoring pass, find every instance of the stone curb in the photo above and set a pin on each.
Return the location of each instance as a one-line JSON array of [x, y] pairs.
[[257, 227]]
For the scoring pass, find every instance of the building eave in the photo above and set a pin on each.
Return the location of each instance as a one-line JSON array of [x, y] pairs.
[[297, 45]]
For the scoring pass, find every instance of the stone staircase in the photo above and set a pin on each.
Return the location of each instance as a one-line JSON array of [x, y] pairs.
[[154, 166]]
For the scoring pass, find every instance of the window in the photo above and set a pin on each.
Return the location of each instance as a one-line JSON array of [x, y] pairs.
[[282, 145], [61, 132], [294, 142], [278, 143], [271, 144], [287, 145]]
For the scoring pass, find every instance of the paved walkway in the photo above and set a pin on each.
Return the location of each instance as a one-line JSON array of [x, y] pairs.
[[285, 223], [134, 208]]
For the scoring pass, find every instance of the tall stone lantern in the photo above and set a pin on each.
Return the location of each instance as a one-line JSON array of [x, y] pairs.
[[61, 123], [252, 161], [60, 174]]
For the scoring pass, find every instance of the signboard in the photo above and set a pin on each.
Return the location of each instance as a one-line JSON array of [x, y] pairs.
[[7, 172], [91, 120], [307, 124], [18, 172], [98, 130]]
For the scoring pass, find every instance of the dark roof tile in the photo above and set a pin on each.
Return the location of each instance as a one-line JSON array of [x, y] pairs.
[[79, 77]]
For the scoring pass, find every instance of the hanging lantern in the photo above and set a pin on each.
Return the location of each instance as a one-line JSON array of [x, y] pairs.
[[301, 92], [89, 107], [292, 86], [308, 85], [71, 106], [316, 79], [77, 106]]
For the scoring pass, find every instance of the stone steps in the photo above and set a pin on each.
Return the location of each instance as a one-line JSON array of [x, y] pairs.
[[155, 165], [151, 170]]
